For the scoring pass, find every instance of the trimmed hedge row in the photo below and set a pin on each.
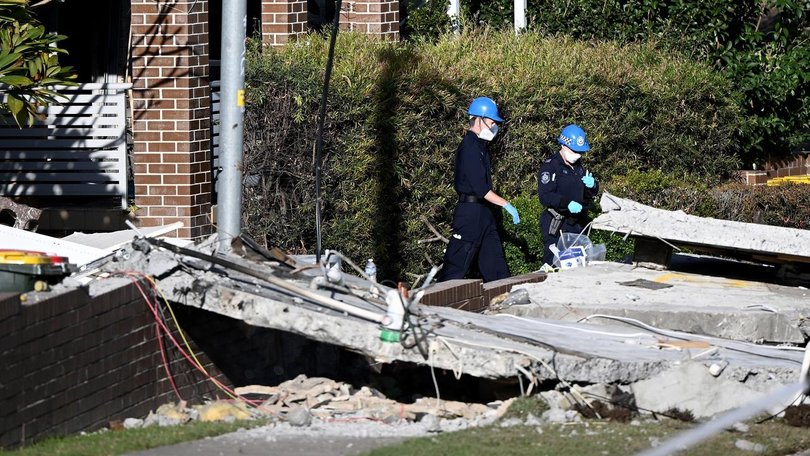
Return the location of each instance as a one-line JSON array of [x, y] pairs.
[[787, 206], [397, 114], [763, 46]]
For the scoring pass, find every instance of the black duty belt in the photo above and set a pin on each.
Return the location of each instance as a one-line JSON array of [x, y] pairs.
[[464, 198]]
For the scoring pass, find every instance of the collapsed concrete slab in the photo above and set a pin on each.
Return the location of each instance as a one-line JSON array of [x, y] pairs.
[[693, 303], [692, 387], [763, 242], [486, 346]]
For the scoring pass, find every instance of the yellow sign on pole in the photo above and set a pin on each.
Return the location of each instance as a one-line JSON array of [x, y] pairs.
[[240, 98]]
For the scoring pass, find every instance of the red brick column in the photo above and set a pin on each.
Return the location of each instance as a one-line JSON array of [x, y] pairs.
[[374, 17], [283, 20], [171, 114]]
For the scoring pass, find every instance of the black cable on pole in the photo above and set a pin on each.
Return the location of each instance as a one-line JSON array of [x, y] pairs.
[[319, 139]]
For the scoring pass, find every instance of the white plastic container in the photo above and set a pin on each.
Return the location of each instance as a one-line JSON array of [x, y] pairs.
[[573, 257], [371, 270], [395, 310]]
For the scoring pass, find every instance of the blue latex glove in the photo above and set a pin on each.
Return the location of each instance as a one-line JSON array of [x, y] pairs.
[[574, 207], [513, 212], [588, 180]]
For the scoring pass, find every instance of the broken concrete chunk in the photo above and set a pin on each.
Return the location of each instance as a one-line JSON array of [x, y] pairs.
[[745, 445], [299, 417], [256, 389], [431, 422], [691, 387], [133, 423]]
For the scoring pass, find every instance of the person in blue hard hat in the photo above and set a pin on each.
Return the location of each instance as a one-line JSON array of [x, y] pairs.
[[474, 229], [566, 189]]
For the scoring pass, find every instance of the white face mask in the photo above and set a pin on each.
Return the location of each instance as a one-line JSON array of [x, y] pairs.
[[570, 156], [488, 134]]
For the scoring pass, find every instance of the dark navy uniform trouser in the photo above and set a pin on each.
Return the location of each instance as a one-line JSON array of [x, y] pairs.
[[568, 226], [474, 231]]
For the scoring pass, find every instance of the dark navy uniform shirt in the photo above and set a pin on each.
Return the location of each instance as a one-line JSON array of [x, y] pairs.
[[473, 174], [558, 184]]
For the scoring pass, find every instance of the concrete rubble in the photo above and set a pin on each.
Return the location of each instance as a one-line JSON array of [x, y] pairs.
[[764, 242], [504, 346], [301, 400]]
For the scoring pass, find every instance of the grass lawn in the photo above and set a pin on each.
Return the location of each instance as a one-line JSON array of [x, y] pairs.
[[124, 441], [590, 437], [594, 437]]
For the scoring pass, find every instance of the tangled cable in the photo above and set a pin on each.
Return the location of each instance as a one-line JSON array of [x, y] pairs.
[[162, 328]]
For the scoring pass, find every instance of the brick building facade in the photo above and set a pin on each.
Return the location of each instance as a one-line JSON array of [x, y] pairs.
[[171, 118], [171, 109]]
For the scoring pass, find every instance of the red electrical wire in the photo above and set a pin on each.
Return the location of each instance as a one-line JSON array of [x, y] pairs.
[[153, 307], [160, 343]]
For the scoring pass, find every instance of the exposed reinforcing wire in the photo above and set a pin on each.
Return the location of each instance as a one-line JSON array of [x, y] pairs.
[[571, 327], [683, 336], [134, 276], [431, 355], [553, 372]]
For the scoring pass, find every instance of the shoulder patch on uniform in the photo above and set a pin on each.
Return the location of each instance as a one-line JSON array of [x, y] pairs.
[[548, 160], [545, 177]]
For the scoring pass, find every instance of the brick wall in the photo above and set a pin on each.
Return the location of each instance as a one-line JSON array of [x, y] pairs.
[[73, 363], [473, 295], [374, 17], [283, 20], [797, 164], [171, 114]]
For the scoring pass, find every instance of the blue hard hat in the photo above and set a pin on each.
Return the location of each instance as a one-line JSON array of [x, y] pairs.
[[573, 137], [484, 107]]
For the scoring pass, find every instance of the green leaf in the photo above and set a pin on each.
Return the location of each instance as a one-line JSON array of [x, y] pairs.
[[15, 105], [17, 81], [8, 60]]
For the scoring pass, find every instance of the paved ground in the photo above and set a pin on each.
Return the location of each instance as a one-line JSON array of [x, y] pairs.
[[334, 438], [231, 444]]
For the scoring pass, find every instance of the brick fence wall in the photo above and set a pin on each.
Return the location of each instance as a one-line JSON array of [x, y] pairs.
[[374, 17], [796, 165], [283, 20], [71, 363], [171, 122]]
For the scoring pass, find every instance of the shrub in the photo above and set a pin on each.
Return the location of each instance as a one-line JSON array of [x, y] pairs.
[[762, 46], [397, 114], [425, 19]]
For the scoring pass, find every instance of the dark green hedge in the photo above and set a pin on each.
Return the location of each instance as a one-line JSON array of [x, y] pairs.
[[397, 114], [787, 205], [763, 46]]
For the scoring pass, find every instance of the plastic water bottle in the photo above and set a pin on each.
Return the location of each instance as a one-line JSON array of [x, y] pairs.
[[371, 270]]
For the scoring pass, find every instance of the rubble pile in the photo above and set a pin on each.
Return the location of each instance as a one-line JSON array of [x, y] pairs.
[[302, 399]]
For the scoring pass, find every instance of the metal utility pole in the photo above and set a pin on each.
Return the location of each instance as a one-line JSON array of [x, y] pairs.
[[229, 216]]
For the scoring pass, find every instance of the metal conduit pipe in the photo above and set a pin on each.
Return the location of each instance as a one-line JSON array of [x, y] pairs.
[[325, 301]]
